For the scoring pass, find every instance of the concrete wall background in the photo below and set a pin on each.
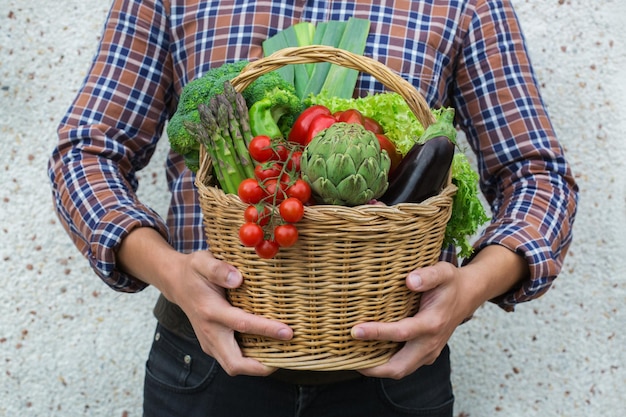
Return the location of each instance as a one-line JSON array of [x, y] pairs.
[[71, 347]]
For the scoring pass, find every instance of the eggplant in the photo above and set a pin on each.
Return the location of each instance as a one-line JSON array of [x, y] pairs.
[[422, 173]]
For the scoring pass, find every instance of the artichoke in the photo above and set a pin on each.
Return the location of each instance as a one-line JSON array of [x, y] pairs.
[[345, 166]]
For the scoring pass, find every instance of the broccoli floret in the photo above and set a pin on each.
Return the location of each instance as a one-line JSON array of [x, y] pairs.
[[181, 139], [197, 91], [259, 88], [202, 89], [274, 114]]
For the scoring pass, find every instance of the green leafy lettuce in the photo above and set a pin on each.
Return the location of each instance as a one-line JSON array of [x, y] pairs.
[[468, 212]]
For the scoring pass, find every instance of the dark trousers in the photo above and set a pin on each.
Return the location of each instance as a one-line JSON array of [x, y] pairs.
[[181, 380]]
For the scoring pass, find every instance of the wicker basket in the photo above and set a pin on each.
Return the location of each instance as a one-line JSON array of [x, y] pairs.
[[349, 264]]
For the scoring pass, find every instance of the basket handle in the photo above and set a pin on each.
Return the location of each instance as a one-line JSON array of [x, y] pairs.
[[343, 58]]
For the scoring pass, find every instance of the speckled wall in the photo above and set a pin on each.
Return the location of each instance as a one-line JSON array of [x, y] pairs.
[[69, 346]]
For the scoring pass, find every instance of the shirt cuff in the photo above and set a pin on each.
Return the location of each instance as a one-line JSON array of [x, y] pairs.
[[525, 240], [109, 233]]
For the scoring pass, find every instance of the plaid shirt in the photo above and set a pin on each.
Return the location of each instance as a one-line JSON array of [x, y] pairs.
[[468, 54]]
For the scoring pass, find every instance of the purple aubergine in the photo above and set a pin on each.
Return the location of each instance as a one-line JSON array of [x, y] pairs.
[[422, 173]]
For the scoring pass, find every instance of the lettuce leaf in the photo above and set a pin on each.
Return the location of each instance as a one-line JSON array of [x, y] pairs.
[[468, 212]]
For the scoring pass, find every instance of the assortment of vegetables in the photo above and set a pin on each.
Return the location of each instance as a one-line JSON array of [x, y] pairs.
[[296, 137], [201, 90], [403, 129]]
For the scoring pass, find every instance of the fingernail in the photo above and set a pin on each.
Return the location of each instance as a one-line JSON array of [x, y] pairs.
[[232, 279], [358, 333], [284, 334], [415, 280]]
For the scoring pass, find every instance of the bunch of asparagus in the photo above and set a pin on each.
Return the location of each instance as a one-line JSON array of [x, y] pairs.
[[224, 130]]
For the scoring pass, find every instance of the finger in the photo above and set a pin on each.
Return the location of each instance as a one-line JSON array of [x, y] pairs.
[[406, 361], [224, 348], [234, 363], [430, 277], [395, 368], [243, 322], [215, 271], [399, 331]]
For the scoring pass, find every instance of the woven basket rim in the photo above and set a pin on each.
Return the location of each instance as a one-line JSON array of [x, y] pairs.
[[363, 213]]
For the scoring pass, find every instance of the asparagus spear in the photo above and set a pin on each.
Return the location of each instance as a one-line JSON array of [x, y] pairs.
[[221, 154], [234, 129]]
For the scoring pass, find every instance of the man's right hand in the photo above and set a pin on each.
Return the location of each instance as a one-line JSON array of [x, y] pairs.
[[197, 283]]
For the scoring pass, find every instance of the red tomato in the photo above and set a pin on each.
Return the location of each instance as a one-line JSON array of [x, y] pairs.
[[281, 153], [294, 161], [260, 148], [318, 124], [372, 125], [250, 234], [249, 191], [300, 190], [275, 191], [263, 171], [301, 126], [285, 235], [267, 249], [351, 116], [387, 145], [291, 210], [251, 214]]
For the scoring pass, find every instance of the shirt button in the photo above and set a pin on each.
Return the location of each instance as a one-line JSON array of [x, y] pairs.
[[187, 359], [157, 336]]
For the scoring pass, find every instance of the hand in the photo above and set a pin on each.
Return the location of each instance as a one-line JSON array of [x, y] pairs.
[[449, 296], [196, 282], [200, 293], [442, 309]]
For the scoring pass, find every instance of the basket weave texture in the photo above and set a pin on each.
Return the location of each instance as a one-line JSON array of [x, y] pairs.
[[349, 264]]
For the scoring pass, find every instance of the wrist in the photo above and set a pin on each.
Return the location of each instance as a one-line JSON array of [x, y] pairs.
[[147, 256], [494, 271]]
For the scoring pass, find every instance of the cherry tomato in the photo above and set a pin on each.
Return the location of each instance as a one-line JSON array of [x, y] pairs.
[[251, 214], [351, 116], [300, 190], [387, 145], [285, 235], [250, 234], [249, 191], [265, 171], [260, 148], [294, 161], [291, 210], [284, 180], [318, 124], [372, 125], [267, 249], [281, 153], [275, 191], [301, 126]]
